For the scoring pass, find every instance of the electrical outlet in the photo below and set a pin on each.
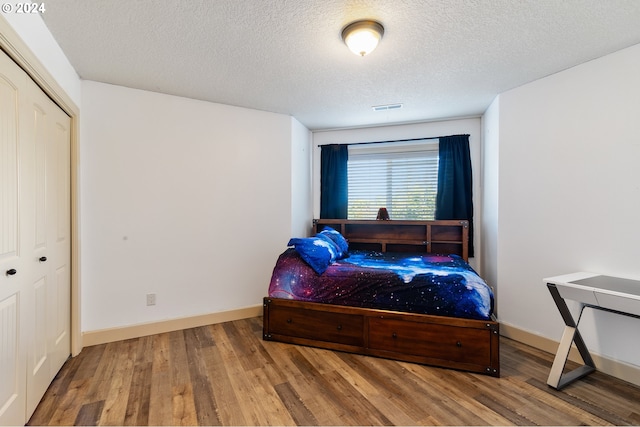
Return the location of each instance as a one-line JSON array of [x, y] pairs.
[[151, 299]]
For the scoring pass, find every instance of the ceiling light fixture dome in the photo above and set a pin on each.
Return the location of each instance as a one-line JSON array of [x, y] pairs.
[[362, 37]]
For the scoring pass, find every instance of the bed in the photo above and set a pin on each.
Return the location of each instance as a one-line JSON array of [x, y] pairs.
[[429, 308]]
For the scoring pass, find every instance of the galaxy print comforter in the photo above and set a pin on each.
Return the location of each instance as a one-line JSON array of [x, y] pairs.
[[415, 283]]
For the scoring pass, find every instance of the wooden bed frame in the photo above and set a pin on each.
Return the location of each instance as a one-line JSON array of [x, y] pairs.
[[465, 344]]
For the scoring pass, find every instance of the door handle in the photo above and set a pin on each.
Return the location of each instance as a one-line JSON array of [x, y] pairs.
[[11, 272], [43, 259]]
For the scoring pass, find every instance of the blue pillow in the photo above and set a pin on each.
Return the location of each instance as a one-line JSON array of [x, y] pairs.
[[315, 251], [335, 247], [338, 239]]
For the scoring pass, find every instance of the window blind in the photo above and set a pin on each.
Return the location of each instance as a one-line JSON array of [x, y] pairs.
[[400, 177]]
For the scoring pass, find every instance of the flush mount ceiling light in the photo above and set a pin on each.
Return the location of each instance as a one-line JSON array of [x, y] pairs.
[[362, 36]]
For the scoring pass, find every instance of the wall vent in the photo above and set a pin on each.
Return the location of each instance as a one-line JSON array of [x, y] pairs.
[[387, 107]]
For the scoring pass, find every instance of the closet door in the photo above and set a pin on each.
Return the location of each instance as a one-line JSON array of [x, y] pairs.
[[58, 208], [12, 258], [45, 131], [34, 244]]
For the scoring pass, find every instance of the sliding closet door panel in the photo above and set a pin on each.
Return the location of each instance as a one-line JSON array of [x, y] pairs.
[[59, 246], [34, 127], [36, 293], [12, 264], [35, 250], [46, 129]]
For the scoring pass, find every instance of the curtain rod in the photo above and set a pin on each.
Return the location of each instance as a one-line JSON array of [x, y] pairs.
[[395, 140]]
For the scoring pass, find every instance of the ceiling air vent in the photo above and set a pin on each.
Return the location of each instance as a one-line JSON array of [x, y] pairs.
[[387, 107]]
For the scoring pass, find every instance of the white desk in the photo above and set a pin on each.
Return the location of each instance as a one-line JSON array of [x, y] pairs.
[[613, 294]]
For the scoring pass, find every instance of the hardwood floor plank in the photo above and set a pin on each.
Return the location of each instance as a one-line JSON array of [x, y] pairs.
[[623, 399], [160, 396], [137, 412], [321, 405], [259, 401], [605, 414], [462, 390], [101, 376], [245, 345], [440, 404], [182, 403], [282, 365], [183, 407], [299, 412], [202, 337], [91, 358], [225, 374], [89, 414], [69, 404], [384, 376], [203, 396], [115, 403], [368, 413], [437, 405], [325, 388], [369, 391], [364, 398], [546, 409], [255, 324], [512, 417], [500, 398], [221, 366], [275, 410]]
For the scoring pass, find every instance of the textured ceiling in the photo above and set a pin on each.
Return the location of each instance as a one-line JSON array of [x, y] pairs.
[[441, 59]]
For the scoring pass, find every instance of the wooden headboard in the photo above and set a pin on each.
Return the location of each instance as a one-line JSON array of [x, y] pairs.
[[439, 236]]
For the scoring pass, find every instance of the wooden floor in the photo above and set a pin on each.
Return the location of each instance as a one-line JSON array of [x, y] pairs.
[[225, 374]]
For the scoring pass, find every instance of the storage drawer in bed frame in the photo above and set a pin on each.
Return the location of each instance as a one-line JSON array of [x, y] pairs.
[[318, 325], [465, 344]]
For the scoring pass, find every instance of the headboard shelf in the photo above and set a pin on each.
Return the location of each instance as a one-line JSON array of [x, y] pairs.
[[437, 236]]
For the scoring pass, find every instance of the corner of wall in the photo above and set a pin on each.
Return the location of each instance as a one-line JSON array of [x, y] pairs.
[[489, 183], [301, 179]]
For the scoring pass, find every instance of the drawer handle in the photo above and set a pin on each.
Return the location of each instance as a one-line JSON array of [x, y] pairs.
[[289, 320], [339, 327], [394, 335], [458, 344], [11, 272], [42, 259]]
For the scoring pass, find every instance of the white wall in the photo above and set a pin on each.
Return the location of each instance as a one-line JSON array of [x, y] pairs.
[[569, 194], [186, 199], [489, 185], [301, 188], [471, 126]]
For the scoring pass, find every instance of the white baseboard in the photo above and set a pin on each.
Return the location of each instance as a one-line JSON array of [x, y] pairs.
[[615, 368], [143, 329]]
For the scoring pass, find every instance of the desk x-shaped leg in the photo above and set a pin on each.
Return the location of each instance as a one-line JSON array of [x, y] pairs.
[[571, 334]]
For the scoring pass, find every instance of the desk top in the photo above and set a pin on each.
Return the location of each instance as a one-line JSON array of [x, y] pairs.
[[598, 282], [599, 290], [610, 283]]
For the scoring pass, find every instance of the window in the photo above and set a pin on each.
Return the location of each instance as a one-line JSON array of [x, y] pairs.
[[400, 176]]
